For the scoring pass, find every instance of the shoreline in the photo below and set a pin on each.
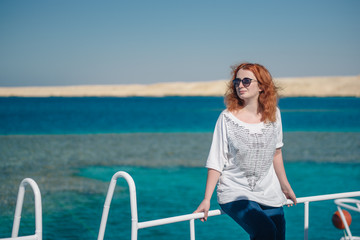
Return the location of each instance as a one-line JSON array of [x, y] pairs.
[[346, 86]]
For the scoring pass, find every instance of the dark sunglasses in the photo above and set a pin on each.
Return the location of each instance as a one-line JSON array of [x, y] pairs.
[[245, 81]]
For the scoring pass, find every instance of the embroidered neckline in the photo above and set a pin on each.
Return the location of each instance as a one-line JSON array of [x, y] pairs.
[[236, 120]]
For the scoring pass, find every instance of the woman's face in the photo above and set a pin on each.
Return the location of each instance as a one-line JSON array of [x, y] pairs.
[[250, 92]]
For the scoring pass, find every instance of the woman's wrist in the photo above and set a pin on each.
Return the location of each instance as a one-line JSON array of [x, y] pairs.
[[286, 189]]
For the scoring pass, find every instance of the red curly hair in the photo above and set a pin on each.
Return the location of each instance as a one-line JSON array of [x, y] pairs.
[[268, 96]]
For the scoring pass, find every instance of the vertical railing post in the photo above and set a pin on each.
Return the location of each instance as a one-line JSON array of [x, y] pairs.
[[192, 229], [343, 219], [306, 220], [133, 205], [106, 209], [18, 210]]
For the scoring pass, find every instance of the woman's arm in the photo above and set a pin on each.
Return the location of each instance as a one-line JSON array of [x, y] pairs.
[[212, 178], [281, 174]]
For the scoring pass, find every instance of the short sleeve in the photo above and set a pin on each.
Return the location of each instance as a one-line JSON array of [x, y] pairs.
[[279, 131], [219, 147]]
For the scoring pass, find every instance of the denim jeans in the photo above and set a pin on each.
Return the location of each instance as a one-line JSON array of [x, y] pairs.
[[260, 222]]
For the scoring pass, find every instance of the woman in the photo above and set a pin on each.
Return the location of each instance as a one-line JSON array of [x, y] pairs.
[[245, 159]]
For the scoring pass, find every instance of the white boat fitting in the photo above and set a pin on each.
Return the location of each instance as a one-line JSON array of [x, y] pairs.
[[351, 204], [18, 210], [136, 225]]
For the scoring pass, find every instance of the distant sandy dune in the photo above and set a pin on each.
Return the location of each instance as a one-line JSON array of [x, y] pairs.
[[289, 87]]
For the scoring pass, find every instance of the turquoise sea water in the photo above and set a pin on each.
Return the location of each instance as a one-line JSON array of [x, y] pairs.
[[170, 114], [72, 146]]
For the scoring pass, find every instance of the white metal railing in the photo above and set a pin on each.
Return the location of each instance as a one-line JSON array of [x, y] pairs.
[[136, 225], [18, 210], [345, 203]]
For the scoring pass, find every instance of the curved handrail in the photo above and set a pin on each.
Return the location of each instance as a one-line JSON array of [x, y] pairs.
[[18, 210], [133, 204], [343, 203]]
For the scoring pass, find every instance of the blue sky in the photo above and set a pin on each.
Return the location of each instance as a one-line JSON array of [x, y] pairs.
[[66, 42]]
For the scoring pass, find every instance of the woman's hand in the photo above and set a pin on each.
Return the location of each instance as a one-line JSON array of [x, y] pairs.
[[203, 207], [289, 194]]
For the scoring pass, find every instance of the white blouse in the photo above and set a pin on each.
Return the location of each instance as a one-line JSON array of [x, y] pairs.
[[244, 155]]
